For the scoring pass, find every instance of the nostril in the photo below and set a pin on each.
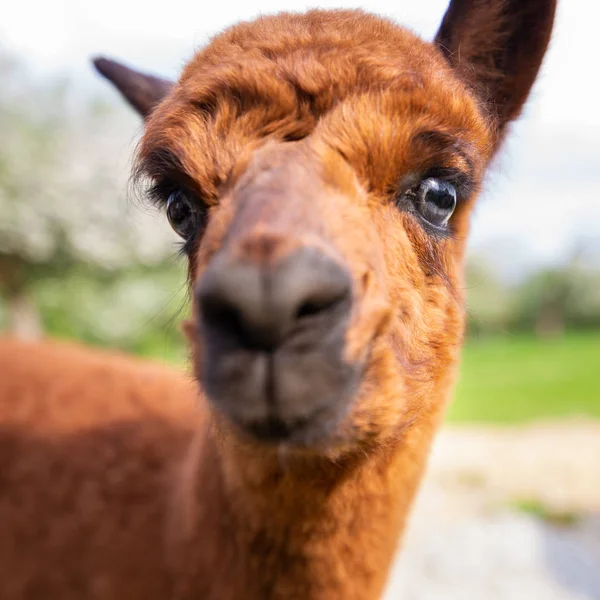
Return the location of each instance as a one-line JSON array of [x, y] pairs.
[[313, 307], [231, 325], [309, 309], [257, 307], [222, 317]]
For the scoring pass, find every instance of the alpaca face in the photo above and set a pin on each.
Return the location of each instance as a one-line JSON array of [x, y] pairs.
[[320, 169], [321, 187]]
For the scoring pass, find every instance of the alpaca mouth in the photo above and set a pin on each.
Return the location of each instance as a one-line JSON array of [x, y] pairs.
[[292, 395], [302, 432]]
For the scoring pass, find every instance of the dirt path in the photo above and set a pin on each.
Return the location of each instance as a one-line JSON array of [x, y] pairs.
[[506, 514]]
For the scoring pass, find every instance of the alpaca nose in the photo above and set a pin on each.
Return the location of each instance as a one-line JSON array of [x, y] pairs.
[[258, 306]]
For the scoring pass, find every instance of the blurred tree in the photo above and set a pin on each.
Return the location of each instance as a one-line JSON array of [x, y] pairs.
[[563, 297], [62, 181], [542, 302], [547, 302], [489, 300]]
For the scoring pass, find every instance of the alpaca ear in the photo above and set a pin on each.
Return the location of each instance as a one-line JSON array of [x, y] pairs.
[[142, 91], [497, 47]]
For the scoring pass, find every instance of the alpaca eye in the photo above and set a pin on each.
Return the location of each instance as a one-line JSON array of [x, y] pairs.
[[183, 214], [435, 199]]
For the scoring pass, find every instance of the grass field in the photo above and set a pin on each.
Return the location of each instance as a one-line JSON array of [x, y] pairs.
[[513, 379]]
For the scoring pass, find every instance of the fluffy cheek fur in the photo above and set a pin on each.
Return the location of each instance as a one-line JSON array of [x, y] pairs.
[[413, 358]]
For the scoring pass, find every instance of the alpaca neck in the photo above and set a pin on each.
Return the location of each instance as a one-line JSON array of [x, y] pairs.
[[263, 527]]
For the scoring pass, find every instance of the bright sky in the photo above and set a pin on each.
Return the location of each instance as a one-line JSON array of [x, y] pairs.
[[545, 191]]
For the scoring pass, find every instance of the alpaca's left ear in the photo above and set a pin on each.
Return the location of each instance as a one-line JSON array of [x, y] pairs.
[[142, 91], [497, 47]]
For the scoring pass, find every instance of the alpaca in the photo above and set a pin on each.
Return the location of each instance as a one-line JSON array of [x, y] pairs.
[[320, 169]]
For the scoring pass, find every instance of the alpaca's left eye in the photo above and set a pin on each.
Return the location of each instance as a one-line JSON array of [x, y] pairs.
[[435, 200], [183, 214]]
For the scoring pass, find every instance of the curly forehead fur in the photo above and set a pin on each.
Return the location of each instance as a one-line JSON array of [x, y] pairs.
[[355, 81]]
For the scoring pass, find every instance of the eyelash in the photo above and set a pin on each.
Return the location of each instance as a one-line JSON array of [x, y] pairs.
[[158, 193], [459, 179]]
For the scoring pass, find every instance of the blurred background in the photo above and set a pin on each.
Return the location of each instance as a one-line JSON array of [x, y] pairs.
[[515, 475]]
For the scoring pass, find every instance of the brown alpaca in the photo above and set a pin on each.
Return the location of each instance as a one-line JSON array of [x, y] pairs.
[[321, 169]]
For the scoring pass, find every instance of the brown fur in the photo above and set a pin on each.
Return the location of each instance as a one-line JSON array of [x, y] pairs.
[[119, 480]]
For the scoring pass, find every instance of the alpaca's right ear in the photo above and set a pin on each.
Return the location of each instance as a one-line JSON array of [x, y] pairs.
[[497, 47], [142, 91]]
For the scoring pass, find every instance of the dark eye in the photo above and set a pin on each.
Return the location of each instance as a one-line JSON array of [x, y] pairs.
[[184, 215], [435, 200]]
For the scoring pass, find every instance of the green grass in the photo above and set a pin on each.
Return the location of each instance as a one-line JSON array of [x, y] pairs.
[[514, 379], [538, 509]]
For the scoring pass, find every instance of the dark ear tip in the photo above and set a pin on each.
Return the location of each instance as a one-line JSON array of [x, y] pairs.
[[105, 66], [142, 91], [100, 63]]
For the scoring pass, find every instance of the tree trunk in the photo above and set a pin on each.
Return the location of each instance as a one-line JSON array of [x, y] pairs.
[[24, 320]]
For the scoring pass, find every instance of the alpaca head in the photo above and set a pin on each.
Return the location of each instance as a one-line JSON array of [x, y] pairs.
[[320, 169]]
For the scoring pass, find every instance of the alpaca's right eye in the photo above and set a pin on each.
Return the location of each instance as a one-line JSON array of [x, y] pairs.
[[435, 201], [183, 214]]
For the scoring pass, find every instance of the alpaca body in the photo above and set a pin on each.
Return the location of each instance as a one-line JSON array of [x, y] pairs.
[[89, 442]]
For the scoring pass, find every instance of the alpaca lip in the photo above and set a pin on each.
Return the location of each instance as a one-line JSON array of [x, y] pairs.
[[302, 432], [294, 395]]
